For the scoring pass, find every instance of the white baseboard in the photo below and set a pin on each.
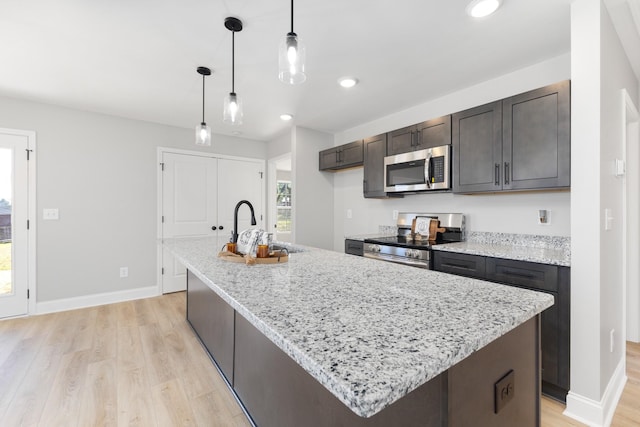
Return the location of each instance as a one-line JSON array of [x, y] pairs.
[[598, 413], [95, 299]]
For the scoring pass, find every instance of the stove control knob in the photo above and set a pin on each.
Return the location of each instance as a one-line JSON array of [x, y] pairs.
[[410, 253]]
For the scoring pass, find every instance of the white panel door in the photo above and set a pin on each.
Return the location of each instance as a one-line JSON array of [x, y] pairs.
[[14, 242], [240, 180], [189, 198]]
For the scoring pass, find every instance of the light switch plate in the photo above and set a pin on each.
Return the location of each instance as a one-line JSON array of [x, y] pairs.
[[504, 390], [50, 214]]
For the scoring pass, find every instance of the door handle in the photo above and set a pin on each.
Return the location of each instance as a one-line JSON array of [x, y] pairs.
[[506, 172], [214, 228]]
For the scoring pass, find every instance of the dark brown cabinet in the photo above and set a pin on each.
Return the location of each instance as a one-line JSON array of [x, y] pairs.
[[354, 247], [519, 143], [213, 320], [554, 321], [375, 150], [342, 157], [432, 133]]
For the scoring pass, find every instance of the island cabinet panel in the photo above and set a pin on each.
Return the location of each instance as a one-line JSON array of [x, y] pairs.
[[354, 247], [213, 321], [472, 382], [342, 157], [459, 264], [428, 134], [277, 392]]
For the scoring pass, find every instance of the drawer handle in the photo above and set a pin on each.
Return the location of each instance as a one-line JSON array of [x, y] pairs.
[[517, 274], [461, 266]]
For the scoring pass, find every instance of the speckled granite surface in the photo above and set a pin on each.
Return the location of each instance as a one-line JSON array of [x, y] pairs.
[[552, 250], [369, 331], [383, 231]]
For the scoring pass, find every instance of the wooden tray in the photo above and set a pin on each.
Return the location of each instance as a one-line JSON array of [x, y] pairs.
[[274, 258]]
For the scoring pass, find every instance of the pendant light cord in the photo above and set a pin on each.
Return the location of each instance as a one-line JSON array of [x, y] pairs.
[[203, 98], [233, 62], [292, 16]]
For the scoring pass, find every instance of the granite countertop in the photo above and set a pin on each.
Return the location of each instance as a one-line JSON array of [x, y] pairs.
[[551, 250], [369, 331]]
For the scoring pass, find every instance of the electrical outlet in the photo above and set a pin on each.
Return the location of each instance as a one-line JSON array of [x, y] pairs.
[[395, 214], [50, 214], [504, 390], [544, 217], [124, 272]]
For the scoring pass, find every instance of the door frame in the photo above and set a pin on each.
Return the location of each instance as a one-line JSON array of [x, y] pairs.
[[160, 152], [631, 223], [31, 215]]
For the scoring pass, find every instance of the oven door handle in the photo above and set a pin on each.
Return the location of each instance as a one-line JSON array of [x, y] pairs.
[[427, 170]]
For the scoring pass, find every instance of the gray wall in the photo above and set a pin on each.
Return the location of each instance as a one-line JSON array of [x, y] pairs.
[[312, 190], [100, 172]]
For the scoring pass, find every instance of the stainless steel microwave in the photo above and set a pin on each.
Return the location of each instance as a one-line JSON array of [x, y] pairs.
[[422, 170]]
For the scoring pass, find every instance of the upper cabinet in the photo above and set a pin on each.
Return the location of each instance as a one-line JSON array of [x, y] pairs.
[[342, 157], [432, 133], [519, 143], [375, 150]]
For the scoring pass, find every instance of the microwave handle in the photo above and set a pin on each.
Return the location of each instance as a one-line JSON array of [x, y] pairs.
[[427, 170]]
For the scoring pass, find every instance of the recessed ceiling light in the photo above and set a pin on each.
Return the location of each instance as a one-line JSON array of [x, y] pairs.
[[286, 117], [347, 81], [482, 8]]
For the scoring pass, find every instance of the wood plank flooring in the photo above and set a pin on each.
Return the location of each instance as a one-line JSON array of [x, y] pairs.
[[138, 363]]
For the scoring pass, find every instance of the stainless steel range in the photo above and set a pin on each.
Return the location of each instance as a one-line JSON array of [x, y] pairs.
[[414, 248]]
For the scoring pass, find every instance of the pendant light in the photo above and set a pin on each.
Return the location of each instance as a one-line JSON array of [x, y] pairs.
[[291, 57], [232, 113], [203, 132]]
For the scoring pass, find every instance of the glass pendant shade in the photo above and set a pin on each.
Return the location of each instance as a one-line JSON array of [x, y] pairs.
[[232, 113], [203, 134], [291, 60]]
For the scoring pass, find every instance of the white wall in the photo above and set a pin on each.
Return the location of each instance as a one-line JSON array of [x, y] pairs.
[[600, 69], [509, 212], [312, 190], [100, 172]]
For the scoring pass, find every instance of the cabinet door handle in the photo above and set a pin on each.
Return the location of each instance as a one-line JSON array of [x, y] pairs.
[[497, 173], [418, 138], [214, 228], [337, 157], [506, 172], [221, 228], [412, 139]]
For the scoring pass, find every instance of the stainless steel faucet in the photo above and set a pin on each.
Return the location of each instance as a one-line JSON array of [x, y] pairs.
[[234, 232]]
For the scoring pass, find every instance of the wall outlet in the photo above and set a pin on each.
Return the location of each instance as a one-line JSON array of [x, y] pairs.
[[504, 390], [349, 214], [544, 217], [124, 272], [50, 214], [395, 214], [611, 339], [608, 219]]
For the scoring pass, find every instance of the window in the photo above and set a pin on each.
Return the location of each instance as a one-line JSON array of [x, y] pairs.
[[283, 206]]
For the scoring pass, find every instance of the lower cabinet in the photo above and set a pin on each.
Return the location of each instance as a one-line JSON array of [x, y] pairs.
[[552, 279], [354, 247], [213, 320]]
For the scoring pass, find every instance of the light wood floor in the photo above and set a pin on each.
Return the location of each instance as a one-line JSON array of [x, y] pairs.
[[138, 363]]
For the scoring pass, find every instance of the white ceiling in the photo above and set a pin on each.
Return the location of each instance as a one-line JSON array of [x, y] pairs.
[[138, 59]]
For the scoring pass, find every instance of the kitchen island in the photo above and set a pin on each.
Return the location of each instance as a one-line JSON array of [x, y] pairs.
[[332, 339]]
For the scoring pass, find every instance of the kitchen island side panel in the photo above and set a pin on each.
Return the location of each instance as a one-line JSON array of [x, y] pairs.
[[213, 321], [276, 391]]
